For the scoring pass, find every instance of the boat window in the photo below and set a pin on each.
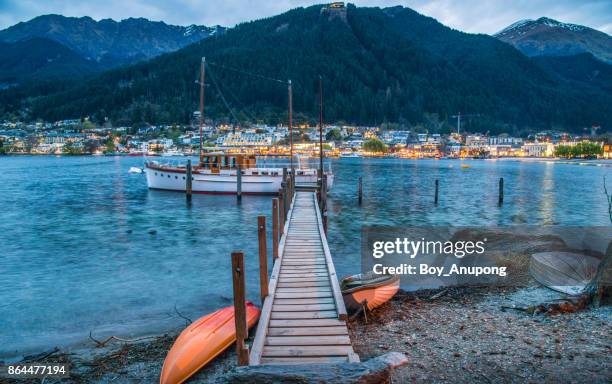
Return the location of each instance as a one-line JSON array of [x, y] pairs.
[[176, 177], [254, 173], [183, 177], [215, 162], [168, 176], [155, 173], [264, 173]]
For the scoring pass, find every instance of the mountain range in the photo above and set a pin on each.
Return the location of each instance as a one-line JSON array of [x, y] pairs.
[[51, 46], [548, 37], [390, 64]]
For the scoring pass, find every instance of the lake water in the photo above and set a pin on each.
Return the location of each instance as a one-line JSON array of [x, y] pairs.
[[85, 246]]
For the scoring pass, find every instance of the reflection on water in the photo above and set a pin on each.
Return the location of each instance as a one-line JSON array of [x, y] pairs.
[[86, 246]]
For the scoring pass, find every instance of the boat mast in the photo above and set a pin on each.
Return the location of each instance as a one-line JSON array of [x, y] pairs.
[[321, 126], [202, 76], [290, 125]]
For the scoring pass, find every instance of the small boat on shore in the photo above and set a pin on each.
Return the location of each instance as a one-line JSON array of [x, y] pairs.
[[201, 342], [564, 272], [371, 289]]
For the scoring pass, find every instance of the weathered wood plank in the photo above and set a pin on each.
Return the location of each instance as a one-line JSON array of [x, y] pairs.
[[307, 323], [303, 307], [319, 300], [302, 360], [308, 331], [302, 295], [303, 284], [307, 350], [309, 278], [304, 315], [326, 289], [308, 340]]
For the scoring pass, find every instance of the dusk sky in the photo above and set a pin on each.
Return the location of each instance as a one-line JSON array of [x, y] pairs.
[[469, 15]]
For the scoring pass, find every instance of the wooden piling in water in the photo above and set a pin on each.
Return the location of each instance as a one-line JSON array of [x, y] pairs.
[[436, 192], [242, 331], [360, 190], [501, 191], [188, 181], [263, 258], [275, 228], [239, 182]]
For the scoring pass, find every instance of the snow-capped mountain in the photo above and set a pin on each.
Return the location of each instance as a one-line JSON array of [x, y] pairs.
[[548, 37], [109, 43]]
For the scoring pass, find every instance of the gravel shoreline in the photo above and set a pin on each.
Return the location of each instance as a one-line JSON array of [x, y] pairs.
[[457, 335]]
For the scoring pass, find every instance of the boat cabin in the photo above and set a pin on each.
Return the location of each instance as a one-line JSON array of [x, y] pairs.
[[218, 161]]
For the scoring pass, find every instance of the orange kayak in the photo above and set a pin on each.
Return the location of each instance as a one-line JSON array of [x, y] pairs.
[[201, 342]]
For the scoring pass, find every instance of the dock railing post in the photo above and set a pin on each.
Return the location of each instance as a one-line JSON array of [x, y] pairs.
[[239, 182], [501, 191], [436, 192], [242, 332], [275, 228], [263, 257], [188, 184], [360, 190]]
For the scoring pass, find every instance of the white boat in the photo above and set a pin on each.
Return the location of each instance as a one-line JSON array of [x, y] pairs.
[[217, 174], [172, 153], [135, 170], [351, 154]]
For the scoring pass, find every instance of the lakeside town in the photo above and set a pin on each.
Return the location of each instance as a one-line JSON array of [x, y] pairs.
[[83, 137]]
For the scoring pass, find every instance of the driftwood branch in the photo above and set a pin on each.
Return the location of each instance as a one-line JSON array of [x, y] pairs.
[[439, 294], [187, 320], [103, 343]]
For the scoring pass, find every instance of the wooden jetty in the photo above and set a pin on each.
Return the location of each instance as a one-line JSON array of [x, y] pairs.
[[303, 319]]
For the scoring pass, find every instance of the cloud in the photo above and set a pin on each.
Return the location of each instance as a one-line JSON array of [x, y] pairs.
[[476, 16]]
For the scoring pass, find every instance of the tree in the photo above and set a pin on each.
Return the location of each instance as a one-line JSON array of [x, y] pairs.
[[584, 149], [71, 149], [333, 135], [375, 145]]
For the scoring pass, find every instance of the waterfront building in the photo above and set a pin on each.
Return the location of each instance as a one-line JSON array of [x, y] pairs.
[[538, 149]]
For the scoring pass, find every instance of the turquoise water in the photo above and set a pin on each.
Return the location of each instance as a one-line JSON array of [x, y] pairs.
[[85, 246]]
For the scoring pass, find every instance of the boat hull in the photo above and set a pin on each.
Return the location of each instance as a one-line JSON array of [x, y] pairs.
[[201, 342], [375, 294], [565, 272], [174, 179]]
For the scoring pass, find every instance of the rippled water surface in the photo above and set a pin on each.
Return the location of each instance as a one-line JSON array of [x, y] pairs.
[[85, 246]]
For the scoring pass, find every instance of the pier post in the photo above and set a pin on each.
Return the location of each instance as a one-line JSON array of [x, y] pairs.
[[324, 193], [360, 190], [263, 258], [188, 184], [501, 191], [324, 217], [242, 331], [281, 212], [239, 182], [275, 228], [436, 192]]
